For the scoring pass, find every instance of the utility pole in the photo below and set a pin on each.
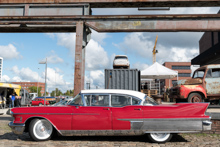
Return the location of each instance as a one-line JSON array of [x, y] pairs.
[[37, 81], [55, 83]]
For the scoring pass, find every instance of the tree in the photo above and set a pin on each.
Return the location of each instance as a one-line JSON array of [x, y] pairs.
[[58, 92], [67, 93], [33, 89]]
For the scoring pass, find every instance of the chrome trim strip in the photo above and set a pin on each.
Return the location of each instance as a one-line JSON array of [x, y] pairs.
[[164, 119], [11, 124], [44, 113], [86, 113], [101, 132], [57, 113], [137, 121], [171, 131], [114, 132]]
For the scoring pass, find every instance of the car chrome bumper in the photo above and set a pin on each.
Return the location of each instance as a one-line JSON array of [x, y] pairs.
[[206, 125], [17, 128]]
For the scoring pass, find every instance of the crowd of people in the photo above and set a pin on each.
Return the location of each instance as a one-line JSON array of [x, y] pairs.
[[13, 101]]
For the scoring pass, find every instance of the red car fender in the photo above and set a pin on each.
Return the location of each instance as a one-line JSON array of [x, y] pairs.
[[185, 90]]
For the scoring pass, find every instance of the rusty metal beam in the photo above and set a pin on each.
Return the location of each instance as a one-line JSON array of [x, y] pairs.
[[79, 59], [74, 18], [123, 23], [155, 26], [123, 3], [38, 29]]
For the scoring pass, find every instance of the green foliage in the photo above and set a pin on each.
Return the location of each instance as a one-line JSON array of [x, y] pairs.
[[58, 92], [33, 89]]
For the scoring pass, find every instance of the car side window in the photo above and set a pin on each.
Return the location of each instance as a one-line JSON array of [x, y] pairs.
[[135, 101], [77, 101], [97, 100], [215, 73], [120, 100]]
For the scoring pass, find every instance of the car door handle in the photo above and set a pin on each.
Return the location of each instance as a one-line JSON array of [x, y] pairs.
[[106, 109], [137, 108]]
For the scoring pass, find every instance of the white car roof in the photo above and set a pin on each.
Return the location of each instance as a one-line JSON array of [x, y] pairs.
[[116, 91]]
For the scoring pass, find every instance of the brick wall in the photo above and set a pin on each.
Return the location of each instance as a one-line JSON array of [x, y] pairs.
[[215, 123]]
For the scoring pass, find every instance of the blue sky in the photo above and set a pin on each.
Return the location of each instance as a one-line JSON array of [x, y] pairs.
[[23, 51]]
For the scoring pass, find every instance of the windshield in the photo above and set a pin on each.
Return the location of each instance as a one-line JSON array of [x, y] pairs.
[[149, 101], [199, 74], [61, 103], [77, 101], [121, 57]]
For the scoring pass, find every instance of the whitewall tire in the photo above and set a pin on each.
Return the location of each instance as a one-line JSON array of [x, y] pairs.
[[159, 137], [40, 129]]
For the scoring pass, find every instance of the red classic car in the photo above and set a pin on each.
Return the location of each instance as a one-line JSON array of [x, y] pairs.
[[111, 112], [39, 102]]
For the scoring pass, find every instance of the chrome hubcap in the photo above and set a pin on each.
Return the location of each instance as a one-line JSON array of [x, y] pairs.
[[160, 136], [42, 129]]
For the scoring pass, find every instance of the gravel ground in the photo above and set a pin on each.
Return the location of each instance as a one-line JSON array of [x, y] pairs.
[[8, 139]]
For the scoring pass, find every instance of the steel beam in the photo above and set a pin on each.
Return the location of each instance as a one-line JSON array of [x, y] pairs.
[[123, 23], [123, 3], [79, 58], [155, 26]]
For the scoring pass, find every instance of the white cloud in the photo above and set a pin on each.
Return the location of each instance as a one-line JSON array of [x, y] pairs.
[[5, 78], [140, 45], [58, 70], [9, 52], [68, 41], [140, 66], [99, 37], [96, 79], [53, 58], [18, 79], [96, 56], [182, 54], [27, 75], [24, 74]]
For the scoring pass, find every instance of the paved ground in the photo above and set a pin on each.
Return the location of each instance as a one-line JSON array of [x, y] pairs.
[[8, 139]]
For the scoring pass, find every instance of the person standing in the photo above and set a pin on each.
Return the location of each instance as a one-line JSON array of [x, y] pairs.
[[19, 101], [2, 98], [13, 99]]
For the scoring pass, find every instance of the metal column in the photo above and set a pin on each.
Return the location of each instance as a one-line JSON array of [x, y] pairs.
[[79, 59]]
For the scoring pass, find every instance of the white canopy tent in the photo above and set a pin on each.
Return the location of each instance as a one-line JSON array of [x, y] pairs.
[[158, 71]]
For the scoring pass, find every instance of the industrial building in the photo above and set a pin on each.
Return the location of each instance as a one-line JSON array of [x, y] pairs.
[[209, 52], [209, 49], [26, 85], [183, 69]]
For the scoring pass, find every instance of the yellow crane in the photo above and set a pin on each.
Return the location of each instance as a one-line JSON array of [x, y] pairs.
[[155, 51]]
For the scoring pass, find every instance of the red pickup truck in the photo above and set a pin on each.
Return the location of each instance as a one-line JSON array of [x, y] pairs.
[[38, 102], [204, 85]]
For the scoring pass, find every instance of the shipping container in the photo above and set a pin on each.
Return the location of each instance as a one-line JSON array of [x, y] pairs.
[[128, 79]]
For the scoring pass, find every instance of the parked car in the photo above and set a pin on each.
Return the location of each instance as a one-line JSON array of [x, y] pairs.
[[121, 61], [204, 85], [38, 102], [111, 112]]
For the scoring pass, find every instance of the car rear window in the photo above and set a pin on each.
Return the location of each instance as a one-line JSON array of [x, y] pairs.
[[121, 58]]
